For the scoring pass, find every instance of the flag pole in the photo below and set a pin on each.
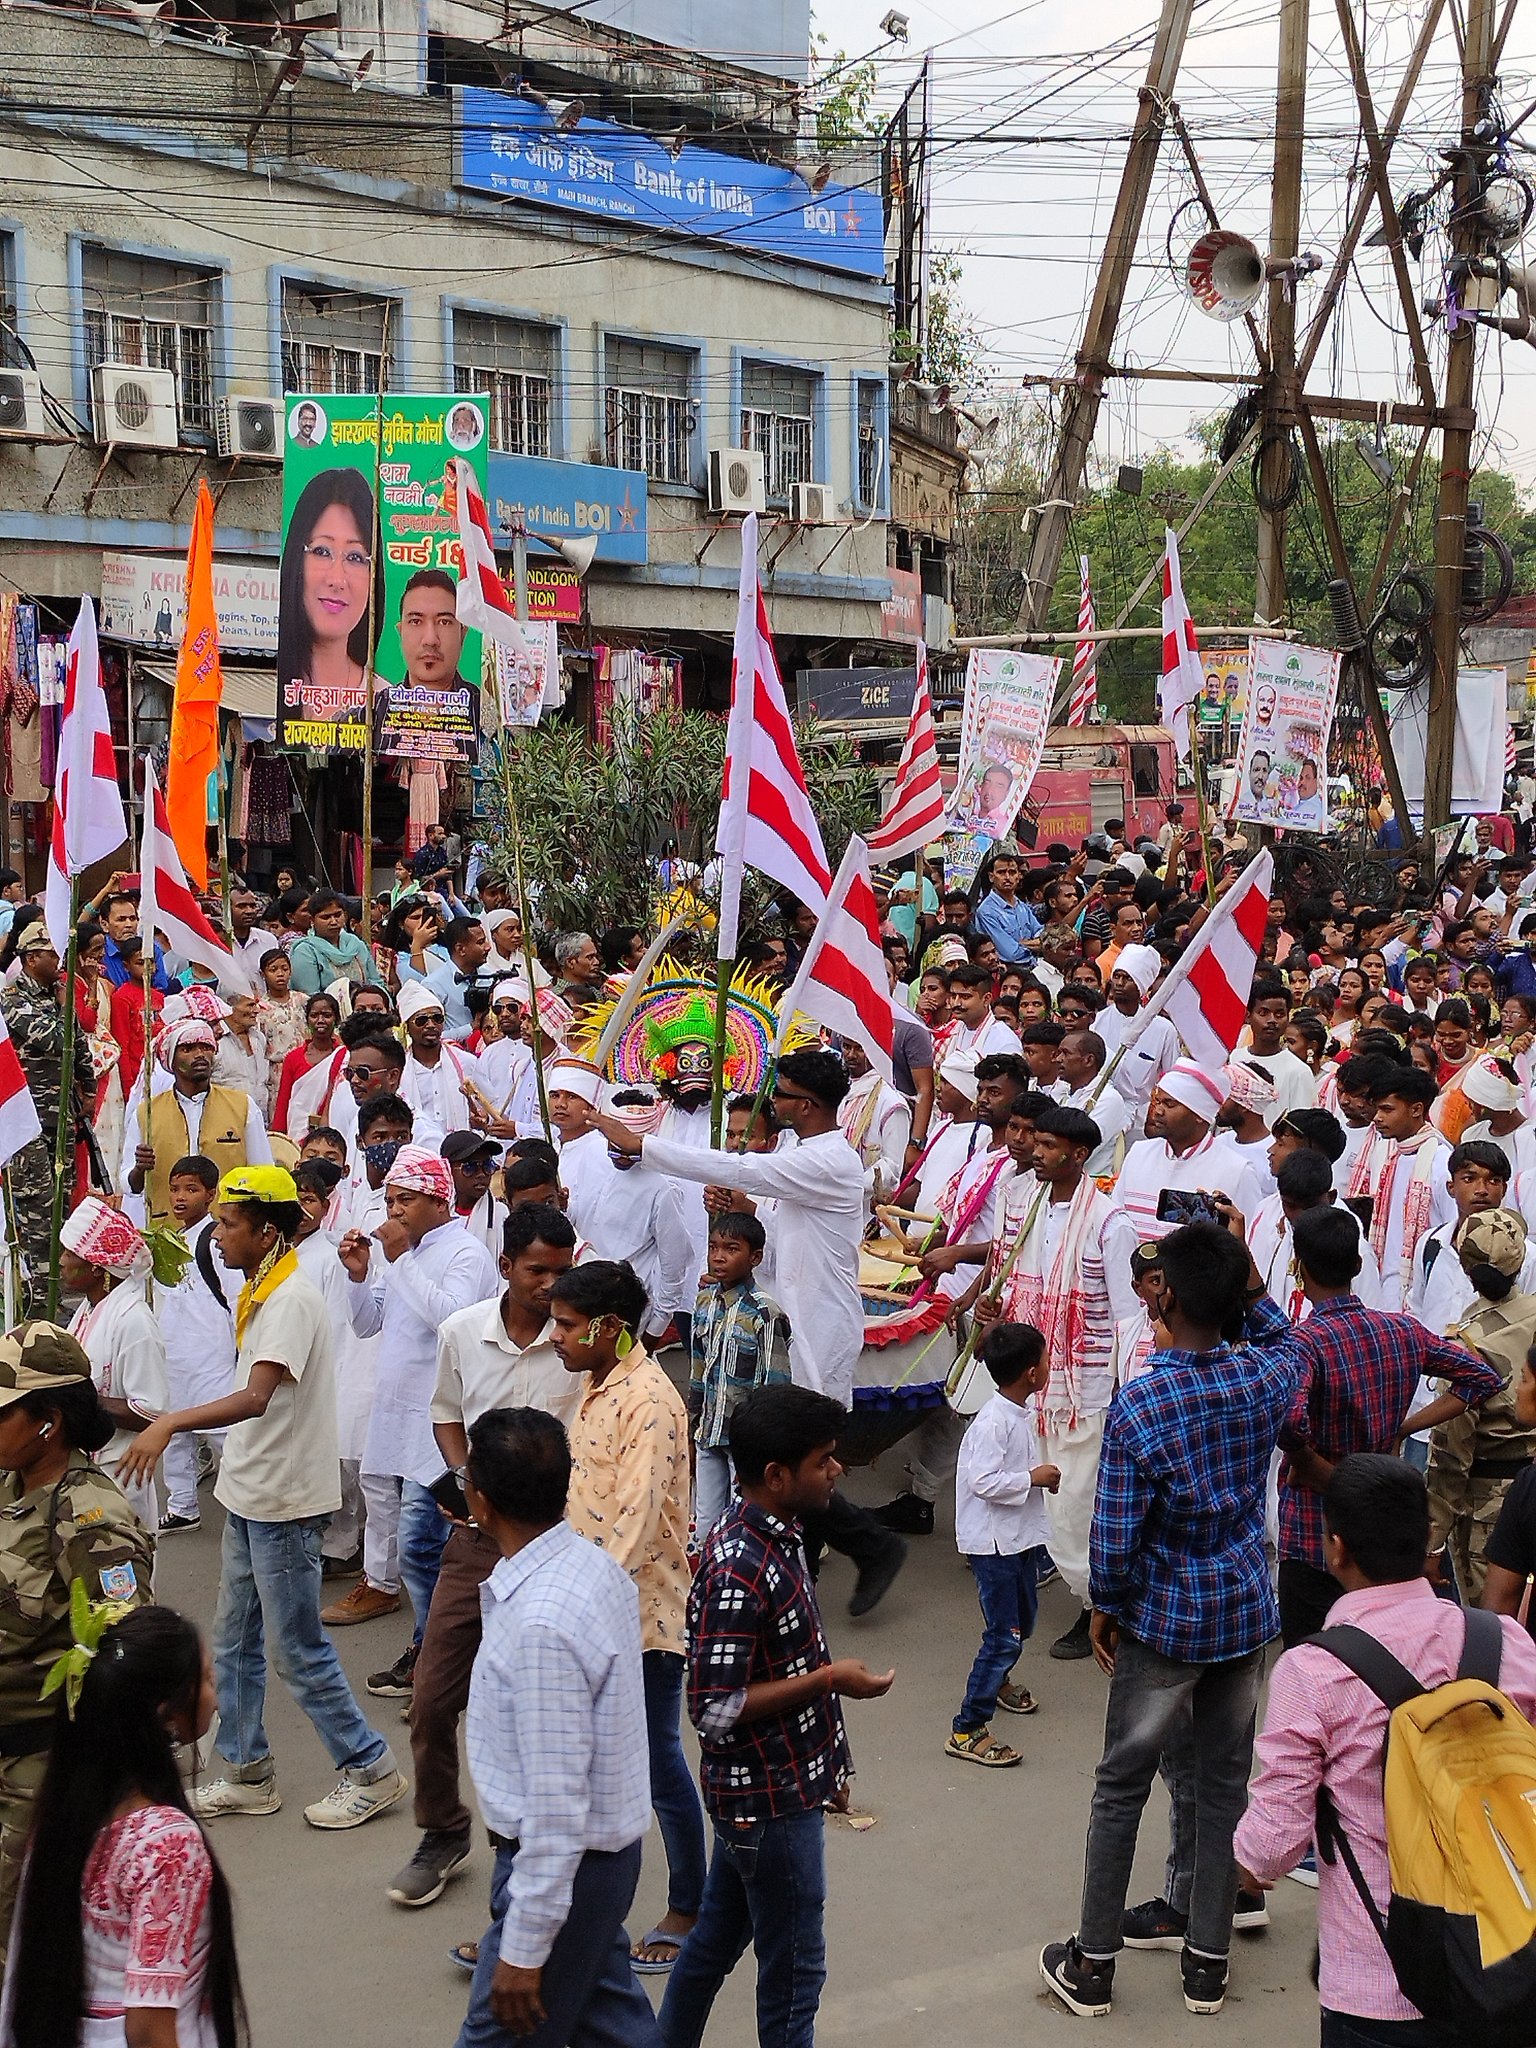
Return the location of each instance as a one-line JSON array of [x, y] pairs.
[[524, 918], [64, 1133], [376, 539], [1200, 815], [13, 1279], [221, 791]]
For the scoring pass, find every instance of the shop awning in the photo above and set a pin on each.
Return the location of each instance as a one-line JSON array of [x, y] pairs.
[[248, 692]]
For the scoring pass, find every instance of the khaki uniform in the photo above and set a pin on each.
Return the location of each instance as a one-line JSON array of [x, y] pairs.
[[1474, 1460], [79, 1528]]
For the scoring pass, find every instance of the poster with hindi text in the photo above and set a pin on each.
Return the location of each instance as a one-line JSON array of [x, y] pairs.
[[1282, 750], [369, 572], [1003, 724]]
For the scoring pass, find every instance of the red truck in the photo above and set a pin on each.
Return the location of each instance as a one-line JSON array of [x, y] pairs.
[[1091, 773]]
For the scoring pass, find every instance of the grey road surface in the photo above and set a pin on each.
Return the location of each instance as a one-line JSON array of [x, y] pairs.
[[936, 1915]]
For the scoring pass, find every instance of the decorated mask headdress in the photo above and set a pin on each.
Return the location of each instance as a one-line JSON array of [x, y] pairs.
[[670, 1035]]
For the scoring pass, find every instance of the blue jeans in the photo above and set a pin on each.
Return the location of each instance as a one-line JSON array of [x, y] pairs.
[[591, 1995], [712, 1484], [424, 1529], [673, 1792], [269, 1580], [1006, 1589], [767, 1884]]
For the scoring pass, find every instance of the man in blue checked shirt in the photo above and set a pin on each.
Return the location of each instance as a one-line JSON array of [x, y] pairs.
[[1183, 1603], [555, 1736]]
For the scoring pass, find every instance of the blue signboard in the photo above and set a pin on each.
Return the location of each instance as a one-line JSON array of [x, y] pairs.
[[513, 148], [571, 500]]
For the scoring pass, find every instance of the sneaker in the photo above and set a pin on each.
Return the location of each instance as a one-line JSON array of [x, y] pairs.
[[1083, 1987], [355, 1799], [1205, 1981], [438, 1856], [1306, 1871], [907, 1515], [876, 1579], [395, 1683], [343, 1567], [1251, 1913], [221, 1796], [1074, 1644], [363, 1603], [979, 1747], [172, 1524], [1153, 1925], [1047, 1575]]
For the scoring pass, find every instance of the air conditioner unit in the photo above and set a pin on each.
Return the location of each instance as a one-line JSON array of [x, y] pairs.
[[133, 408], [736, 482], [250, 427], [812, 505], [21, 405]]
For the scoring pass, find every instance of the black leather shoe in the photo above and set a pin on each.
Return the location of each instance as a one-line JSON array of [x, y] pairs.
[[1074, 1644], [907, 1515], [877, 1577]]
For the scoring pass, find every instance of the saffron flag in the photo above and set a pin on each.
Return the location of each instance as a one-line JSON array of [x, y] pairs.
[[842, 983], [195, 708], [19, 1121], [88, 820], [167, 906], [765, 811], [1183, 678], [1205, 996], [916, 809], [1084, 699]]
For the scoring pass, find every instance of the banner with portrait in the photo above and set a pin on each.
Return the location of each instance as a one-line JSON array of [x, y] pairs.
[[369, 571], [1003, 723], [528, 677], [1282, 750]]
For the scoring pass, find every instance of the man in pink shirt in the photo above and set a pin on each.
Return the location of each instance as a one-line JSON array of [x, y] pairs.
[[1325, 1727]]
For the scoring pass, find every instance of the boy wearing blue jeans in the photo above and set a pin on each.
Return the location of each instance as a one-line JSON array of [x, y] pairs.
[[1001, 1528], [739, 1341]]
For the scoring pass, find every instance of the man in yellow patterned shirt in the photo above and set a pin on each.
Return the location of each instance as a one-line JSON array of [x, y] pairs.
[[629, 1493]]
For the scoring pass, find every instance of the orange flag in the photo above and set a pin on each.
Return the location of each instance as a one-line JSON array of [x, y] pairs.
[[195, 711]]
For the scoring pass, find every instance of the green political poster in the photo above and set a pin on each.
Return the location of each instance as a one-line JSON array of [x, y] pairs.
[[370, 566]]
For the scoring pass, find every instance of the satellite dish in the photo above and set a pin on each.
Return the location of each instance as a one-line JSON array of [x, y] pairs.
[[1224, 274]]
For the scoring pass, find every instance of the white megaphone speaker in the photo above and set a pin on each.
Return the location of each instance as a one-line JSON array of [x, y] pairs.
[[576, 554], [1224, 274]]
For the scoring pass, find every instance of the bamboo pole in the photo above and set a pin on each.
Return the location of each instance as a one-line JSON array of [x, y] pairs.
[[64, 1134], [376, 538]]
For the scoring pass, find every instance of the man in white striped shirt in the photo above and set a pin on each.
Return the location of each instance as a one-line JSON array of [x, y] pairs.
[[555, 1736]]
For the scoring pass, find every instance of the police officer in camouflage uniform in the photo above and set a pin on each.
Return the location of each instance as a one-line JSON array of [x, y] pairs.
[[61, 1519], [1474, 1460], [34, 1016]]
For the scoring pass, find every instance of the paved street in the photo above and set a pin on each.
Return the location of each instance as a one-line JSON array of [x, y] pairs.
[[936, 1914]]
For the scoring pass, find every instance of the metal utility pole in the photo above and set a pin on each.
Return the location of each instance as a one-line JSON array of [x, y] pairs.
[[1460, 418], [1080, 412], [1277, 477]]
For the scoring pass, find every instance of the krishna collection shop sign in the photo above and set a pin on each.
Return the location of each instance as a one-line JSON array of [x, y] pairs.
[[514, 148]]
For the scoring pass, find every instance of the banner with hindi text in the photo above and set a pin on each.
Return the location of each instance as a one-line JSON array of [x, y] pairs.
[[1003, 724], [1282, 750]]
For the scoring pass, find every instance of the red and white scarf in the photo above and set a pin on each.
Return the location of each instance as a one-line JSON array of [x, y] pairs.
[[1054, 1300], [1375, 1174]]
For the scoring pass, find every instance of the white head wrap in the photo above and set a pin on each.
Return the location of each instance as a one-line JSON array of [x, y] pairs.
[[1484, 1083], [1199, 1092], [512, 988], [576, 1077], [1142, 963], [959, 1070], [415, 997], [1250, 1086], [105, 1238]]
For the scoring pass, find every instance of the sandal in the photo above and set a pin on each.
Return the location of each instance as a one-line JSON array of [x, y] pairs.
[[655, 1966], [465, 1956], [981, 1747], [1017, 1699]]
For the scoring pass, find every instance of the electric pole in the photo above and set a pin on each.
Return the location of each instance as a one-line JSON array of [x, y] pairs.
[[1278, 471]]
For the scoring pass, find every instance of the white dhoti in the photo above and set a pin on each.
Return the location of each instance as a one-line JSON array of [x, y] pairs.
[[1074, 1449]]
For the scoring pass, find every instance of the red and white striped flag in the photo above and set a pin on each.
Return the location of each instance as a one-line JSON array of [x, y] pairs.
[[1509, 748], [88, 820], [19, 1122], [842, 984], [1183, 678], [167, 906], [766, 818], [481, 600], [1206, 994], [916, 809], [1084, 700]]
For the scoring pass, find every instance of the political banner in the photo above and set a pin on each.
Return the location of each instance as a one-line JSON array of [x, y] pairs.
[[1003, 724], [1282, 750], [528, 679], [1226, 672], [369, 570]]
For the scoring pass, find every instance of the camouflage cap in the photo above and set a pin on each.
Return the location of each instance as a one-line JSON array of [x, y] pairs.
[[1497, 1238], [36, 1357]]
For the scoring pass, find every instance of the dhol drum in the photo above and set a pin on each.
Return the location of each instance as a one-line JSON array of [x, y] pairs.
[[906, 1359]]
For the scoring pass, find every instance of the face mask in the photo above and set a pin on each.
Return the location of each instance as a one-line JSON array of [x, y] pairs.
[[380, 1158]]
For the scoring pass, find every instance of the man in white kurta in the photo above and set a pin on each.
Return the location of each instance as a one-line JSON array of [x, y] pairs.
[[197, 1323], [1156, 1047], [1403, 1172], [436, 1073], [1083, 1058], [106, 1260], [876, 1121]]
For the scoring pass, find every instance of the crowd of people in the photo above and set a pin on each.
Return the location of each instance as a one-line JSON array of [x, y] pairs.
[[454, 1321]]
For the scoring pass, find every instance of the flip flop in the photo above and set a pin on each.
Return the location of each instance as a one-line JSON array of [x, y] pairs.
[[465, 1956], [647, 1966]]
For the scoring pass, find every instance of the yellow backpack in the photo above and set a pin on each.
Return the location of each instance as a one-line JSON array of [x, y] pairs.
[[1460, 1796]]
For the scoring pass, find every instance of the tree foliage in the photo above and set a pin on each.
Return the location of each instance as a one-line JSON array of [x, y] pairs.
[[591, 821], [845, 96], [1122, 536]]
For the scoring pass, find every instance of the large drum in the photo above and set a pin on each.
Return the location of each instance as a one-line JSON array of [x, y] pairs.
[[901, 1373]]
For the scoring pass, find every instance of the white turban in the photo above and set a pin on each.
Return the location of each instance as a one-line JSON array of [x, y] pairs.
[[1142, 963], [493, 920], [959, 1070], [1199, 1092], [1485, 1083], [416, 996], [576, 1077], [1251, 1086], [512, 989], [104, 1237]]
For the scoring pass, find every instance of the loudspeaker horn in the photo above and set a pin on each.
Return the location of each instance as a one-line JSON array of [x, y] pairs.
[[576, 554], [1224, 274]]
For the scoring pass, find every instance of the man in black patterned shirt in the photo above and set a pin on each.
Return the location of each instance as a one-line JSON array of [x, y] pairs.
[[762, 1693]]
